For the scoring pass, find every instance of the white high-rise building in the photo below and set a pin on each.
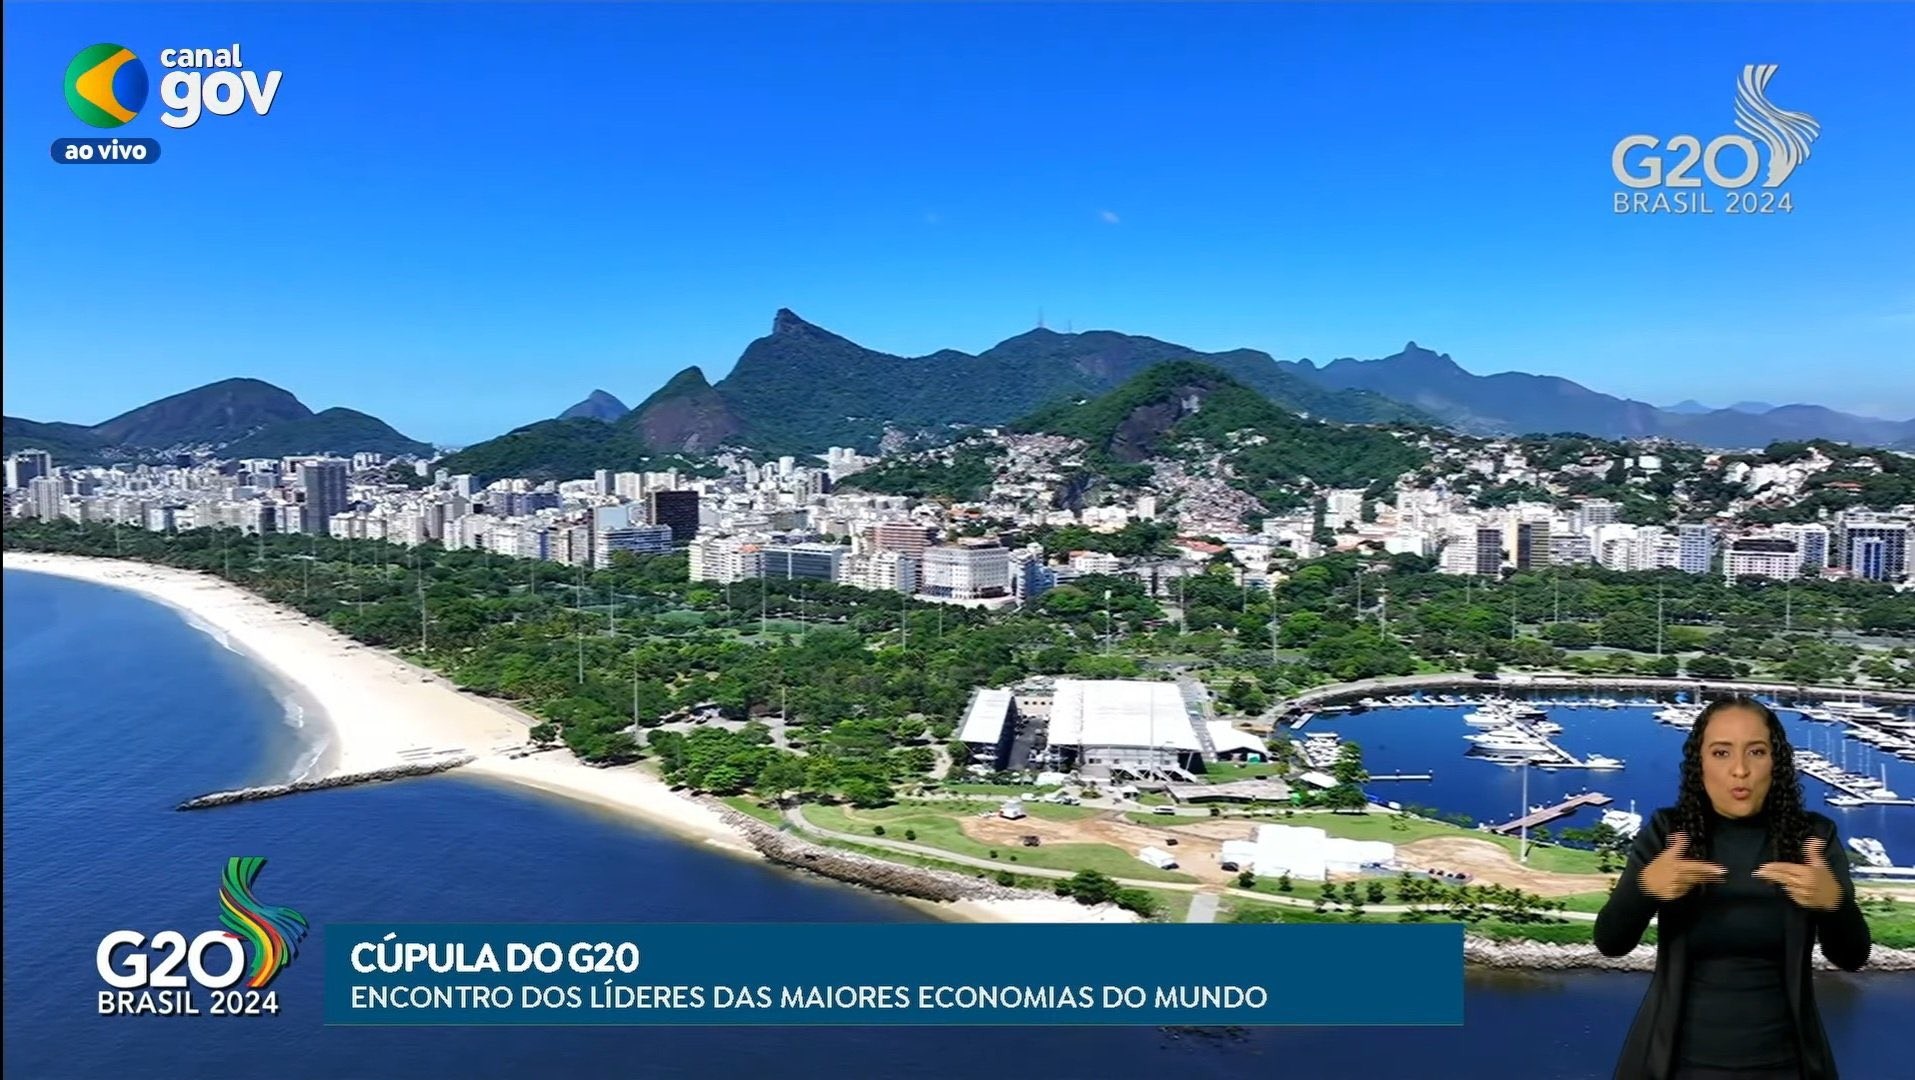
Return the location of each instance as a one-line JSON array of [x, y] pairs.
[[882, 571], [1598, 512], [1343, 507], [1696, 548], [47, 496], [1812, 540], [1762, 556], [725, 558], [637, 539], [967, 572]]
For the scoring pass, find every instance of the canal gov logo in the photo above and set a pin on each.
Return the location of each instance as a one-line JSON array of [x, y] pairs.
[[235, 964], [1745, 171], [106, 85]]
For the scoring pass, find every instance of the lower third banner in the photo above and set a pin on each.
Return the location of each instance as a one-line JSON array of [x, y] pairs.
[[917, 974]]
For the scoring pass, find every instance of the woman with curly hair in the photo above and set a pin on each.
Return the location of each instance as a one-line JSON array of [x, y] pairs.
[[1742, 882]]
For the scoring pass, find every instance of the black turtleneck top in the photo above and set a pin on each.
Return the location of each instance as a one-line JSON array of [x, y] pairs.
[[1736, 1005]]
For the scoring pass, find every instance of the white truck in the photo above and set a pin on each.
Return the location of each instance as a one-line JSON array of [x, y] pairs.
[[1159, 858]]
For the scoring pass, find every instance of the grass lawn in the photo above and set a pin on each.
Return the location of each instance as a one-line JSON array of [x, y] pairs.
[[937, 826], [1590, 901], [1021, 881], [1893, 927], [1151, 798], [994, 789], [745, 804], [1570, 933], [1222, 772], [1172, 905]]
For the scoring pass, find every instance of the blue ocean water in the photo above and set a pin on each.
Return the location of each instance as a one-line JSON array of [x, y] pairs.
[[115, 709], [1430, 739]]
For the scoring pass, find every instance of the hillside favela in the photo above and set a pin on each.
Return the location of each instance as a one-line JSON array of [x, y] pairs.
[[1084, 626]]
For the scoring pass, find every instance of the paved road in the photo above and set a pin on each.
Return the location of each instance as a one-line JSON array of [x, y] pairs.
[[1203, 908], [795, 816]]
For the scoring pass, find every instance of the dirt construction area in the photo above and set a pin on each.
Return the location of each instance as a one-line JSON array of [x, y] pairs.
[[1492, 864]]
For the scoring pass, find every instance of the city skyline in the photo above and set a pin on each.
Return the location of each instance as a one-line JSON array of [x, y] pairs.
[[927, 178]]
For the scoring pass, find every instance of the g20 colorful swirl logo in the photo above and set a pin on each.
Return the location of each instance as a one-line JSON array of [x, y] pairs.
[[106, 85], [236, 964]]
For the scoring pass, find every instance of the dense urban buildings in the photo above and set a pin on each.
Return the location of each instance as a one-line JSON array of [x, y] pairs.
[[785, 519]]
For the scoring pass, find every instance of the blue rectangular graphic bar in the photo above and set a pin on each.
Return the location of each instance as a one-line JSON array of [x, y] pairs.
[[886, 974]]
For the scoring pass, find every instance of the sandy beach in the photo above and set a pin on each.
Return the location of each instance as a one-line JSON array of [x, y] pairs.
[[376, 711]]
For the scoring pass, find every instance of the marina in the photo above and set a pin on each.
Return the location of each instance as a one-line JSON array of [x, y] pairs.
[[1507, 747]]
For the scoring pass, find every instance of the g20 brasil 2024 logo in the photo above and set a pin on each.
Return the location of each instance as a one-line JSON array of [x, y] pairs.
[[1784, 136], [258, 942], [106, 85]]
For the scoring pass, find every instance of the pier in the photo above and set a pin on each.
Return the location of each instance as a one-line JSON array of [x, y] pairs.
[[274, 791], [1551, 813], [1405, 776]]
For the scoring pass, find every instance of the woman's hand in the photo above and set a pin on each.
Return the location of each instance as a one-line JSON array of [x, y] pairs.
[[1810, 883], [1670, 876]]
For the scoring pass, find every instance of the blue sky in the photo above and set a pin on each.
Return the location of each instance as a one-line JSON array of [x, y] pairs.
[[462, 219]]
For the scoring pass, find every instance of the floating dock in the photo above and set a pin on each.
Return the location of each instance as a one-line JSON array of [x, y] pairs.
[[1551, 813]]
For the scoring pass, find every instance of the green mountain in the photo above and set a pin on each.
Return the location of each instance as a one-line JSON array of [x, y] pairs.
[[335, 431], [804, 388], [685, 416], [1193, 412], [66, 442], [237, 417], [552, 450], [598, 405], [207, 415]]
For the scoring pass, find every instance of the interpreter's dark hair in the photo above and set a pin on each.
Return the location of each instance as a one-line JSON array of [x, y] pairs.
[[1788, 823]]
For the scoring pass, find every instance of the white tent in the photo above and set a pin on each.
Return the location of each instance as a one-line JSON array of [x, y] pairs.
[[1304, 852]]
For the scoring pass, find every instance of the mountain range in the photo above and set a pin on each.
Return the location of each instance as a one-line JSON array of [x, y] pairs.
[[801, 388], [1513, 403], [240, 418]]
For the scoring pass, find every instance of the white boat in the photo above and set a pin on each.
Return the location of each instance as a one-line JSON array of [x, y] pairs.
[[1514, 748], [1855, 710], [1626, 822], [1681, 716], [1594, 761], [1548, 727], [1869, 850], [1488, 717]]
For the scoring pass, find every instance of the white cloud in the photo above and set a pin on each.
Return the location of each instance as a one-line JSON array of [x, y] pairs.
[[1108, 217]]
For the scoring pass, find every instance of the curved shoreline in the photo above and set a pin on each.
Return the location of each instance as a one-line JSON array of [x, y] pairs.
[[381, 712]]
